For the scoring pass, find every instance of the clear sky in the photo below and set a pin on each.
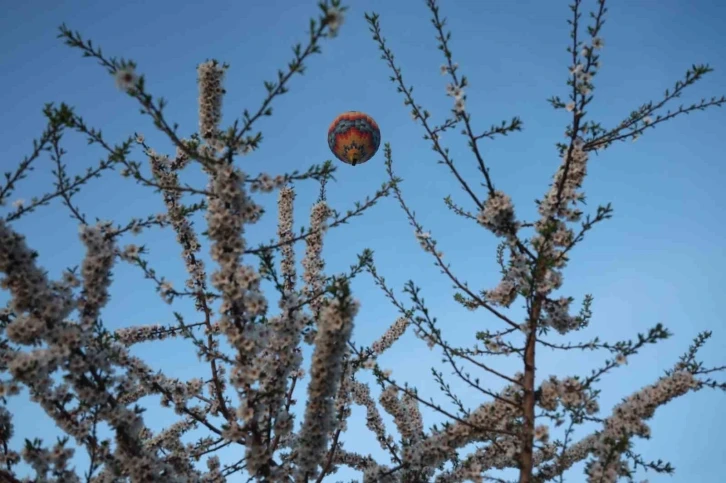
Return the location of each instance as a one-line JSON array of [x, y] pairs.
[[660, 259]]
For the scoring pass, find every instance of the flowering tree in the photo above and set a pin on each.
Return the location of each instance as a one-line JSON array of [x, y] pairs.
[[53, 343]]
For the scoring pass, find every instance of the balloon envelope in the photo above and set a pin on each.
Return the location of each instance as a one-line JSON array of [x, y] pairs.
[[354, 137]]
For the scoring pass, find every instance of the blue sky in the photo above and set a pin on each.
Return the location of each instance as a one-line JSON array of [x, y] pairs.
[[660, 259]]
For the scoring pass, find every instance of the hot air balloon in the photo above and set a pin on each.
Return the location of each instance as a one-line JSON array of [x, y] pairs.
[[354, 137]]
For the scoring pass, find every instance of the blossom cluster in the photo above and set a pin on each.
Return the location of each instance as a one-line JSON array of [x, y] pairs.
[[313, 263], [498, 214], [628, 420], [210, 77]]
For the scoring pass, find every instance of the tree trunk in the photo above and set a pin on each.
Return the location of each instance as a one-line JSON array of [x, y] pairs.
[[528, 403]]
